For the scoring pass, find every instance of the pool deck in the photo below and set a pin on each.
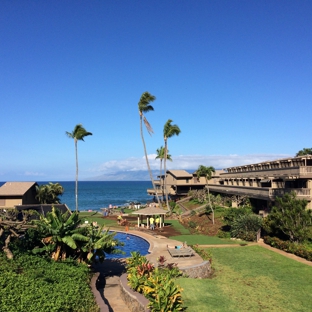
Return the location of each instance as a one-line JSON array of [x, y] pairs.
[[158, 247]]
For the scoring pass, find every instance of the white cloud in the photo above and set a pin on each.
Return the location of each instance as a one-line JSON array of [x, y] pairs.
[[184, 162], [34, 174]]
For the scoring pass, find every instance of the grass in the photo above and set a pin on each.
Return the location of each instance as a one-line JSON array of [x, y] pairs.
[[97, 217], [205, 240], [250, 279], [178, 226]]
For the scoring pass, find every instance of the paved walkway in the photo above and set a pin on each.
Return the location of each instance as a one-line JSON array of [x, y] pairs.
[[112, 269]]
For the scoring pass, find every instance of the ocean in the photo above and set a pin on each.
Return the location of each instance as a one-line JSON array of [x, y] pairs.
[[101, 194]]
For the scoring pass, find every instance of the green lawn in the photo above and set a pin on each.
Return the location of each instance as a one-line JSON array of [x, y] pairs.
[[97, 217], [205, 240], [250, 279]]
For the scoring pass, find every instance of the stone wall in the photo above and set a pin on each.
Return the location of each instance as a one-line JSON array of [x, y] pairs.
[[136, 302], [202, 270]]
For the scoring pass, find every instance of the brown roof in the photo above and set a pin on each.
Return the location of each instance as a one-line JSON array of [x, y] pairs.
[[15, 188], [151, 211], [180, 173]]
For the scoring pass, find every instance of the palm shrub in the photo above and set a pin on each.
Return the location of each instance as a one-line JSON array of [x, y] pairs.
[[246, 227], [64, 235]]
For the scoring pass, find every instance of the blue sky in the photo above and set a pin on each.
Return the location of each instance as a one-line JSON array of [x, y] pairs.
[[235, 76]]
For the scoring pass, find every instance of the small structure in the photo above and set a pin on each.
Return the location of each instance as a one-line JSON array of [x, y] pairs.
[[151, 212], [18, 193]]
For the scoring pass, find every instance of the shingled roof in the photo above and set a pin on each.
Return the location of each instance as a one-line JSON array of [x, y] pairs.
[[15, 188], [150, 211], [180, 173]]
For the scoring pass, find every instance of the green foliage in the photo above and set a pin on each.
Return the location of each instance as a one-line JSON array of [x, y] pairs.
[[65, 235], [204, 253], [156, 284], [246, 227], [304, 151], [49, 193], [34, 284], [299, 250], [231, 214], [290, 217], [192, 224], [223, 234]]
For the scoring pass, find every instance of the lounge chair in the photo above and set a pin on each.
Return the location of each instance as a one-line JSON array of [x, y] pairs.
[[181, 252]]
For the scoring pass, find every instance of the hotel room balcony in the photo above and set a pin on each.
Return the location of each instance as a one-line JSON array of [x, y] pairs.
[[260, 192]]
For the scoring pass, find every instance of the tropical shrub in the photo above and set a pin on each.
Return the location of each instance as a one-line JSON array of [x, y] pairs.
[[156, 284], [246, 227], [66, 235], [299, 250], [289, 219]]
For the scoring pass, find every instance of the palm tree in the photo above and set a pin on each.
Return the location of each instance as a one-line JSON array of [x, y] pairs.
[[169, 131], [145, 107], [206, 172], [77, 134], [49, 193], [161, 155]]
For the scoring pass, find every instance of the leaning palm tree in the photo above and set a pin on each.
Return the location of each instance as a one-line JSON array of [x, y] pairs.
[[161, 155], [206, 172], [145, 107], [169, 131], [77, 134]]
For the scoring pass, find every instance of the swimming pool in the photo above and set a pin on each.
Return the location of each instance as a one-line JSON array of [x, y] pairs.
[[131, 243]]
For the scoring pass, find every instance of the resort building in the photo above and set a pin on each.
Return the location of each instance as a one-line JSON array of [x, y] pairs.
[[179, 183], [261, 182], [18, 193]]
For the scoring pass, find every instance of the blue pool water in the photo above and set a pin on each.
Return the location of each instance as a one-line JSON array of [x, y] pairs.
[[131, 243]]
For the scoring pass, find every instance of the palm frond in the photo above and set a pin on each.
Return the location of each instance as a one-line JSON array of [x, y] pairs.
[[148, 126]]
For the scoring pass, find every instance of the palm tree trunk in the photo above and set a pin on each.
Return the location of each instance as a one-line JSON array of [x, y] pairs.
[[161, 181], [76, 184], [147, 162], [209, 201], [165, 173]]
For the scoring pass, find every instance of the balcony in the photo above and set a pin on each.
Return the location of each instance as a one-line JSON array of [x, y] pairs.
[[258, 192], [299, 172]]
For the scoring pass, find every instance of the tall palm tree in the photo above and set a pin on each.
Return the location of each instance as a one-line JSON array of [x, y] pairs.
[[161, 155], [77, 134], [169, 131], [145, 107], [206, 172]]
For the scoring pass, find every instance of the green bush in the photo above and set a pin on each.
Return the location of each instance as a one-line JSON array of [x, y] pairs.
[[223, 234], [192, 224], [33, 284], [246, 227], [299, 250]]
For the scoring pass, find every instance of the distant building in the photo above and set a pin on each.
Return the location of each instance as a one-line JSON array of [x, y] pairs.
[[263, 182], [179, 183], [18, 193], [260, 182]]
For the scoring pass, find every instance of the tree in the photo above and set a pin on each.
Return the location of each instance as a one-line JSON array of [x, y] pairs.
[[206, 172], [304, 151], [145, 107], [161, 155], [77, 134], [290, 217], [169, 131], [49, 193]]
